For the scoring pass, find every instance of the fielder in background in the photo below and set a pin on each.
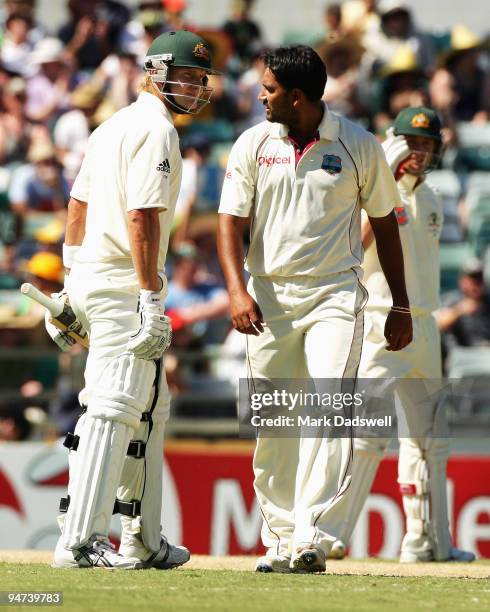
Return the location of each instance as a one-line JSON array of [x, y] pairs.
[[299, 181], [412, 148], [119, 218]]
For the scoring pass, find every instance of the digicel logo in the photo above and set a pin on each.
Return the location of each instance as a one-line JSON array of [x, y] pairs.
[[271, 160]]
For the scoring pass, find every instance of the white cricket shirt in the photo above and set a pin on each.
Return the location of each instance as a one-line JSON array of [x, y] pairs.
[[420, 220], [132, 162], [305, 217]]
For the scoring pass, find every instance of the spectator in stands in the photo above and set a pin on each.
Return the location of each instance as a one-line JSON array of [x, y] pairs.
[[359, 17], [92, 30], [397, 29], [39, 186], [119, 76], [224, 105], [27, 9], [15, 129], [14, 427], [174, 14], [249, 85], [196, 149], [191, 304], [242, 29], [73, 128], [16, 46], [333, 22], [342, 57], [47, 91], [139, 33], [460, 88], [464, 317], [401, 84], [22, 319]]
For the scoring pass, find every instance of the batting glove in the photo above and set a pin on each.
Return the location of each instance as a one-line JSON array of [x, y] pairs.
[[155, 333], [396, 150], [62, 339]]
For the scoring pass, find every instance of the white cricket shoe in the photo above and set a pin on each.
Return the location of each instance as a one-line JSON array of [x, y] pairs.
[[456, 555], [308, 560], [274, 563], [338, 550], [168, 557], [97, 552]]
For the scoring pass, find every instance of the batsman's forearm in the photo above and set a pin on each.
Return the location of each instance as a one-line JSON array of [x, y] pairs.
[[144, 240], [230, 251], [75, 222], [390, 256]]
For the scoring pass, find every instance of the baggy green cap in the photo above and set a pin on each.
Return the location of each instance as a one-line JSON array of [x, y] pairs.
[[418, 121], [184, 49]]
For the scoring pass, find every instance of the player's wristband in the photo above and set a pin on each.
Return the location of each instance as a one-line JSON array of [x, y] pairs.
[[401, 309], [69, 253]]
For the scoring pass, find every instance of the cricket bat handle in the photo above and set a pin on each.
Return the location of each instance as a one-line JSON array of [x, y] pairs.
[[62, 315]]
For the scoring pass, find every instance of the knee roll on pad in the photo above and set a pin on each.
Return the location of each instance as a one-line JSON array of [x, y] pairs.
[[122, 390]]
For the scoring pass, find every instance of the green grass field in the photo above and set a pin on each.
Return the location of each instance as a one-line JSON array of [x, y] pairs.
[[204, 587]]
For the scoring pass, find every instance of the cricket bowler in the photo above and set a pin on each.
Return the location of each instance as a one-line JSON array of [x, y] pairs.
[[299, 181], [119, 218], [412, 148]]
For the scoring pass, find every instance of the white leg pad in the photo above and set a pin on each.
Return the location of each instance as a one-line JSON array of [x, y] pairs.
[[101, 452], [422, 478], [368, 453], [73, 459], [141, 479]]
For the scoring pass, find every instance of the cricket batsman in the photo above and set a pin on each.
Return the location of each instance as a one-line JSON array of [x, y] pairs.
[[119, 218], [299, 181], [412, 148]]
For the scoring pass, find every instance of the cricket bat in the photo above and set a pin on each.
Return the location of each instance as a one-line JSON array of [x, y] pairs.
[[62, 315]]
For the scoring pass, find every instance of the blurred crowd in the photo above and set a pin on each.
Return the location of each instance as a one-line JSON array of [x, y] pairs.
[[58, 86]]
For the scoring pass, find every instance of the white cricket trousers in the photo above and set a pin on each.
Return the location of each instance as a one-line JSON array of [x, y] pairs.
[[313, 330]]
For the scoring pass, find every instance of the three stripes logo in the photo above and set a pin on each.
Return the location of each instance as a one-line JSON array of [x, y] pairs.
[[164, 166]]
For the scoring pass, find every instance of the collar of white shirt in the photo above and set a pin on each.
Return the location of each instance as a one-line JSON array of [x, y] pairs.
[[149, 99], [328, 128]]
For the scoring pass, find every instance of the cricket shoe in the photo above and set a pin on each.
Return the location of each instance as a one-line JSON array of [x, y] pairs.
[[275, 563], [308, 560], [97, 552], [338, 550], [456, 555], [168, 557]]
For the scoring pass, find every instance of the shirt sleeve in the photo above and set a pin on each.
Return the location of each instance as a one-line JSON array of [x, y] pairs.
[[149, 171], [379, 192], [81, 187], [238, 191]]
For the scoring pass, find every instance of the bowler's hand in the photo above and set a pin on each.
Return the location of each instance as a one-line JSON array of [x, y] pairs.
[[398, 330], [246, 315]]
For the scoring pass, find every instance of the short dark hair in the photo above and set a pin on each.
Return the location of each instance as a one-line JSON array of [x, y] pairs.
[[298, 66]]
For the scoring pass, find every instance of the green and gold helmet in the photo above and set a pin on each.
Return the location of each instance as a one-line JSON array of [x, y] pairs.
[[421, 121], [418, 121], [180, 49]]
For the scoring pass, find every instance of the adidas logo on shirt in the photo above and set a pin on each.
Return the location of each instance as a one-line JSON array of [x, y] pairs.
[[164, 166]]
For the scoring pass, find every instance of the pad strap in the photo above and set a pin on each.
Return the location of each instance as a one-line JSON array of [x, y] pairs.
[[131, 508], [136, 448]]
